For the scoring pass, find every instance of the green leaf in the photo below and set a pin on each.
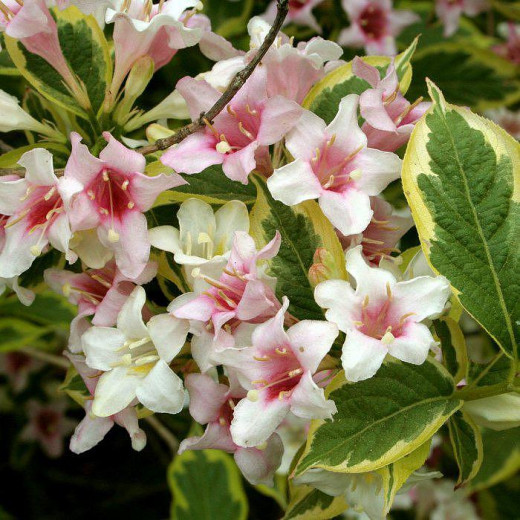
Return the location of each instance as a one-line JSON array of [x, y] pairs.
[[7, 67], [304, 229], [17, 334], [510, 10], [454, 350], [210, 185], [461, 178], [467, 446], [467, 75], [497, 370], [206, 485], [10, 159], [501, 458], [311, 504], [382, 419]]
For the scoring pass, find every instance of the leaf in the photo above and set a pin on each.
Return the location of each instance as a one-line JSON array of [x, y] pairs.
[[467, 75], [206, 485], [311, 504], [10, 159], [324, 98], [461, 178], [210, 185], [382, 419], [85, 49], [304, 229], [510, 10], [467, 446], [17, 334], [454, 350], [7, 67], [496, 371], [501, 458]]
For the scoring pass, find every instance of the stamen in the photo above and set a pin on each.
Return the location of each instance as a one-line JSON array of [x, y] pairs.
[[30, 189], [331, 141], [316, 158], [407, 110], [261, 358], [389, 291], [250, 111], [367, 240], [212, 128], [282, 351], [8, 14], [146, 360], [50, 193], [330, 182], [100, 280], [91, 195], [231, 404], [404, 317], [262, 382], [248, 134], [365, 302], [230, 110]]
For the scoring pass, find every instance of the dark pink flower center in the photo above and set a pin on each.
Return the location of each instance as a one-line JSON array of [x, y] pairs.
[[17, 361], [296, 5], [373, 21], [47, 422], [93, 285]]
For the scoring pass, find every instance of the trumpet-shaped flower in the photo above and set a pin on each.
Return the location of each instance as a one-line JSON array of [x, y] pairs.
[[99, 293], [450, 11], [204, 238], [135, 360], [240, 296], [300, 12], [389, 117], [110, 194], [18, 366], [36, 214], [333, 164], [510, 49], [277, 370], [92, 429], [142, 28], [382, 315], [374, 25], [213, 404], [239, 136]]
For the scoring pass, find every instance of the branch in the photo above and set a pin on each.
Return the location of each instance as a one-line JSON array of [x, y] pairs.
[[46, 357], [236, 84], [163, 432]]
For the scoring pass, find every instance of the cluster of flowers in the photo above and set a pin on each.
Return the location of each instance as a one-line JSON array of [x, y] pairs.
[[257, 364]]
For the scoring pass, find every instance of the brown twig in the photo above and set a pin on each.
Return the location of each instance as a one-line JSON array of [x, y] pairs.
[[236, 84]]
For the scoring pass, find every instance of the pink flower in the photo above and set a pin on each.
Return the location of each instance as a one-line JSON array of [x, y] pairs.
[[36, 214], [382, 315], [100, 293], [213, 404], [239, 297], [300, 12], [511, 48], [374, 25], [278, 372], [110, 194], [17, 366], [146, 29], [47, 426], [382, 234], [92, 429], [333, 164], [507, 119], [389, 117], [239, 136], [449, 12]]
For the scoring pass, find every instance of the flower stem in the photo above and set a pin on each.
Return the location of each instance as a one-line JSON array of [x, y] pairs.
[[472, 393], [163, 432], [57, 361]]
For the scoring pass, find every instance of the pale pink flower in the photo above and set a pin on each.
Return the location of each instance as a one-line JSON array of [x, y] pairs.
[[48, 426], [374, 25], [17, 366], [450, 11], [36, 214], [92, 429], [510, 50], [300, 13], [146, 29], [278, 370], [213, 404], [382, 234], [382, 315], [333, 164], [240, 297], [389, 117], [240, 135], [507, 119], [111, 194], [100, 293]]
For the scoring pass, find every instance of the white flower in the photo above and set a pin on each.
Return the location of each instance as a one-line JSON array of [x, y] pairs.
[[382, 315], [135, 359], [204, 238]]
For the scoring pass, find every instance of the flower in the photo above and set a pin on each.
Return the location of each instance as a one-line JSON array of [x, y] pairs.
[[278, 372], [204, 238], [25, 296], [333, 164], [17, 366], [111, 194], [212, 403], [239, 136], [36, 214], [511, 48], [389, 117], [92, 429], [382, 315], [507, 119], [240, 297], [144, 29], [300, 12], [47, 425], [374, 25], [100, 293], [382, 234], [449, 12], [135, 360]]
